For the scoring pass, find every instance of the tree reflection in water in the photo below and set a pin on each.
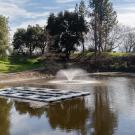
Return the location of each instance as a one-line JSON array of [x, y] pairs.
[[5, 108], [104, 119], [69, 115], [24, 107]]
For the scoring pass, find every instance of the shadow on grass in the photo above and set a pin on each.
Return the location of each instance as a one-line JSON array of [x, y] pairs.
[[18, 64]]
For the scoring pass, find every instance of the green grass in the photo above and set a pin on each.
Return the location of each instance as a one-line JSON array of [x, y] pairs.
[[109, 54], [117, 54], [18, 64]]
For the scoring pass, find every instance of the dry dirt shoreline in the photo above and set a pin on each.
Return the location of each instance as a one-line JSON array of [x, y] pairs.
[[23, 76]]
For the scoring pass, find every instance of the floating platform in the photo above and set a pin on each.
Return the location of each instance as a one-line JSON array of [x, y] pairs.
[[40, 94]]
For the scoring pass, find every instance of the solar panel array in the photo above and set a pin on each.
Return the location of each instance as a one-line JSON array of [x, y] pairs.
[[40, 94]]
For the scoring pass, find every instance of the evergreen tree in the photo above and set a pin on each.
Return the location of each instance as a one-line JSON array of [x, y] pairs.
[[4, 36], [104, 18], [76, 8], [82, 8]]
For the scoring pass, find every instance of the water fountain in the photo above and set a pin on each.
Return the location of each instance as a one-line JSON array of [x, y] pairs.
[[72, 76]]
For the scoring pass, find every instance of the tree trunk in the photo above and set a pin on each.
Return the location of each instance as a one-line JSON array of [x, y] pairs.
[[67, 55], [42, 50], [100, 26], [83, 47], [95, 35], [30, 51], [95, 40]]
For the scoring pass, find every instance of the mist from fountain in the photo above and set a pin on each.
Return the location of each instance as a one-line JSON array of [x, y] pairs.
[[72, 76]]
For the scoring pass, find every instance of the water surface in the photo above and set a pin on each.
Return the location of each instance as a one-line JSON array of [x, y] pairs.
[[109, 110]]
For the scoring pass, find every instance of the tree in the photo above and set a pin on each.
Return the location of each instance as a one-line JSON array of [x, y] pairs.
[[30, 39], [127, 39], [82, 8], [89, 40], [38, 38], [19, 43], [67, 29], [81, 11], [76, 8], [115, 38], [103, 19], [4, 36], [42, 39], [129, 42], [34, 38]]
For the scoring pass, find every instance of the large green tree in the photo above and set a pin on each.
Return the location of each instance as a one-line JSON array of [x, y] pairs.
[[67, 29], [103, 19], [4, 36], [30, 39]]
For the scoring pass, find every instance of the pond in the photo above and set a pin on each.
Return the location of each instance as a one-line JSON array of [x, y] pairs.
[[108, 110]]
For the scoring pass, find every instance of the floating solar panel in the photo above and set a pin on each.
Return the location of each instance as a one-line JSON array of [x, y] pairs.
[[40, 94]]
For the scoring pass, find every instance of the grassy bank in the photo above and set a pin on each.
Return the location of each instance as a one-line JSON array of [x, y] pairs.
[[104, 62], [18, 64]]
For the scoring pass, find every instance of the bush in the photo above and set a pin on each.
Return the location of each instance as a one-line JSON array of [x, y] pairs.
[[110, 61]]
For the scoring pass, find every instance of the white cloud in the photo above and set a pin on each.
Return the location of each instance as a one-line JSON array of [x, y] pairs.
[[11, 10], [64, 1], [36, 15], [41, 22], [127, 19], [50, 8], [126, 14], [18, 2], [71, 9]]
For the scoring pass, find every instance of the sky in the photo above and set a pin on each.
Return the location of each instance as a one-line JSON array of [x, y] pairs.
[[24, 12]]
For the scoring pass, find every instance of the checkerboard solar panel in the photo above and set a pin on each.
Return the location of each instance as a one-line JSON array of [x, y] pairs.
[[40, 94]]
